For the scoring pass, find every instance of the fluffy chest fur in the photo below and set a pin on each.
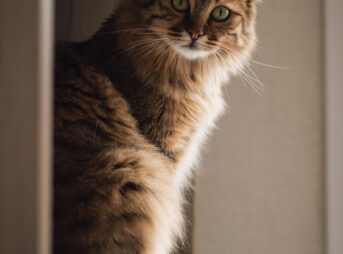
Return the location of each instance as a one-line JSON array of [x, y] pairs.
[[211, 105]]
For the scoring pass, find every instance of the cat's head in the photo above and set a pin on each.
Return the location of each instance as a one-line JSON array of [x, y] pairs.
[[197, 29]]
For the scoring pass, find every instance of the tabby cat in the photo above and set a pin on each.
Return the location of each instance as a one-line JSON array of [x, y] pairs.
[[132, 107]]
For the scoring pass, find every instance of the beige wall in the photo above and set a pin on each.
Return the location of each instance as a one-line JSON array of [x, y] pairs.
[[260, 187]]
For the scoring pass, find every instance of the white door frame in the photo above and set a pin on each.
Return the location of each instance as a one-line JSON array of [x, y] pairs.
[[334, 124]]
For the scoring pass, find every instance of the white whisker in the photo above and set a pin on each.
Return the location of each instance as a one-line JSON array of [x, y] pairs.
[[269, 66]]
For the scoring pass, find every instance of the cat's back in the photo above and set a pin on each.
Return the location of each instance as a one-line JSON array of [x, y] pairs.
[[75, 72], [90, 115], [83, 92]]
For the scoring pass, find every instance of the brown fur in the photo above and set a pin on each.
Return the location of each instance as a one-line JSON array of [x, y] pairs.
[[126, 110]]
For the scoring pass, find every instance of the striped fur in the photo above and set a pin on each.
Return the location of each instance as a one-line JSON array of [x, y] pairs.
[[131, 113]]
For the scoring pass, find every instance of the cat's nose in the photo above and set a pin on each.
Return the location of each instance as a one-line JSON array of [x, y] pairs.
[[195, 32]]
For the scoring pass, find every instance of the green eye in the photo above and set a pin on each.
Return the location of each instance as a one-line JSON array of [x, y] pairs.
[[220, 13], [180, 5]]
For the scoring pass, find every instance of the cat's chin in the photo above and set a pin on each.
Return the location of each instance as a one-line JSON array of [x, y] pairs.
[[191, 53]]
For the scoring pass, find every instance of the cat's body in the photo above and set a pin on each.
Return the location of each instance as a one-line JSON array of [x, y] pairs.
[[131, 115]]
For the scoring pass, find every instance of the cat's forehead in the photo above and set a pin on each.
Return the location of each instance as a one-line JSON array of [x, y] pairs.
[[216, 2]]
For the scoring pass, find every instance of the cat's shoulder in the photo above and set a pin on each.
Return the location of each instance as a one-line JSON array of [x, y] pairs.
[[74, 72], [84, 91], [72, 67]]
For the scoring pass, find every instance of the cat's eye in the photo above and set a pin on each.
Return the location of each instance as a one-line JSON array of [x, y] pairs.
[[220, 13], [180, 5]]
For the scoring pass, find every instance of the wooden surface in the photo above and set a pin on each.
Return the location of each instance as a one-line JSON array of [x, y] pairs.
[[25, 126]]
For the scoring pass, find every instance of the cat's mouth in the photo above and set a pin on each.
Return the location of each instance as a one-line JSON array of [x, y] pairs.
[[191, 50], [191, 45]]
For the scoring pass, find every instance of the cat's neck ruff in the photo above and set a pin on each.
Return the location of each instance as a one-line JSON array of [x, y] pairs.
[[181, 74]]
